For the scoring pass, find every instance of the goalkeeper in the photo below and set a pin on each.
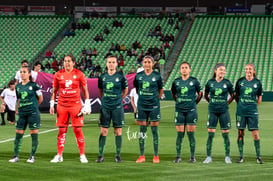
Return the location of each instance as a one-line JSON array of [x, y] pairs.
[[68, 82]]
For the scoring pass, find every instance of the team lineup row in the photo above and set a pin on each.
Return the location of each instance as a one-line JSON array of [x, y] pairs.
[[113, 87]]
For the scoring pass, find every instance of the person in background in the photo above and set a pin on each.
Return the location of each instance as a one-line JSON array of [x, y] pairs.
[[8, 99]]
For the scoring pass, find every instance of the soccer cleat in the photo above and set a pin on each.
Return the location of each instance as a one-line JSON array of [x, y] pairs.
[[141, 159], [156, 159], [228, 160], [177, 160], [14, 159], [3, 124], [83, 159], [208, 160], [192, 160], [30, 159], [259, 160], [240, 160], [118, 159], [57, 159], [100, 159]]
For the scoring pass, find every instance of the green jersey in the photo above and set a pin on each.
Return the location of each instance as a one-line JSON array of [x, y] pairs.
[[112, 86], [27, 96], [218, 94], [148, 87], [247, 92], [185, 91]]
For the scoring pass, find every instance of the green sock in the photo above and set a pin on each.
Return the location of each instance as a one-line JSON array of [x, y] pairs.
[[142, 138], [257, 147], [241, 147], [118, 145], [226, 143], [192, 143], [35, 143], [17, 143], [179, 143], [209, 143], [155, 139], [102, 141]]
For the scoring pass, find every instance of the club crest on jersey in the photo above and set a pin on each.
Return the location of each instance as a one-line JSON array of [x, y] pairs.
[[74, 76], [117, 79], [191, 83], [153, 79], [30, 87], [225, 85], [255, 85]]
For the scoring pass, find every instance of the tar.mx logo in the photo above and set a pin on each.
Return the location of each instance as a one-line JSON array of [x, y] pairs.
[[132, 135]]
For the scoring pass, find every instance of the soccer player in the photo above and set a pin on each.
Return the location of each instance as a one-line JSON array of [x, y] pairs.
[[68, 82], [113, 87], [8, 99], [29, 96], [149, 86], [216, 93], [184, 90], [248, 95]]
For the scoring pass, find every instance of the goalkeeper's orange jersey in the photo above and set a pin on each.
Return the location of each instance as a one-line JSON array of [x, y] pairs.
[[68, 84]]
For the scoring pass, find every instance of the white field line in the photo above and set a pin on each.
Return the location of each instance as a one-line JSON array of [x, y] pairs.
[[51, 130]]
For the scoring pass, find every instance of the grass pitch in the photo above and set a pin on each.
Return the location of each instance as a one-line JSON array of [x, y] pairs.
[[72, 169]]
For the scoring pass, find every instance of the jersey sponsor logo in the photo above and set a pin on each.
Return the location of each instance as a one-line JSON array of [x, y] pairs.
[[68, 83], [184, 90], [145, 85], [109, 85], [248, 90], [30, 88], [103, 79], [218, 91], [211, 85], [62, 77], [242, 84], [24, 95], [140, 78], [74, 76], [177, 83], [117, 79]]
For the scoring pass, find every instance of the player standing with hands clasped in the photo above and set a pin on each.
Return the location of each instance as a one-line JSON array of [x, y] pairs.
[[184, 90], [149, 86], [29, 96], [68, 82], [113, 87], [248, 95], [216, 93]]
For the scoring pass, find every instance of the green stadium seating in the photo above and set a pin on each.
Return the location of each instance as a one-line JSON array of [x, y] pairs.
[[24, 37], [232, 40]]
